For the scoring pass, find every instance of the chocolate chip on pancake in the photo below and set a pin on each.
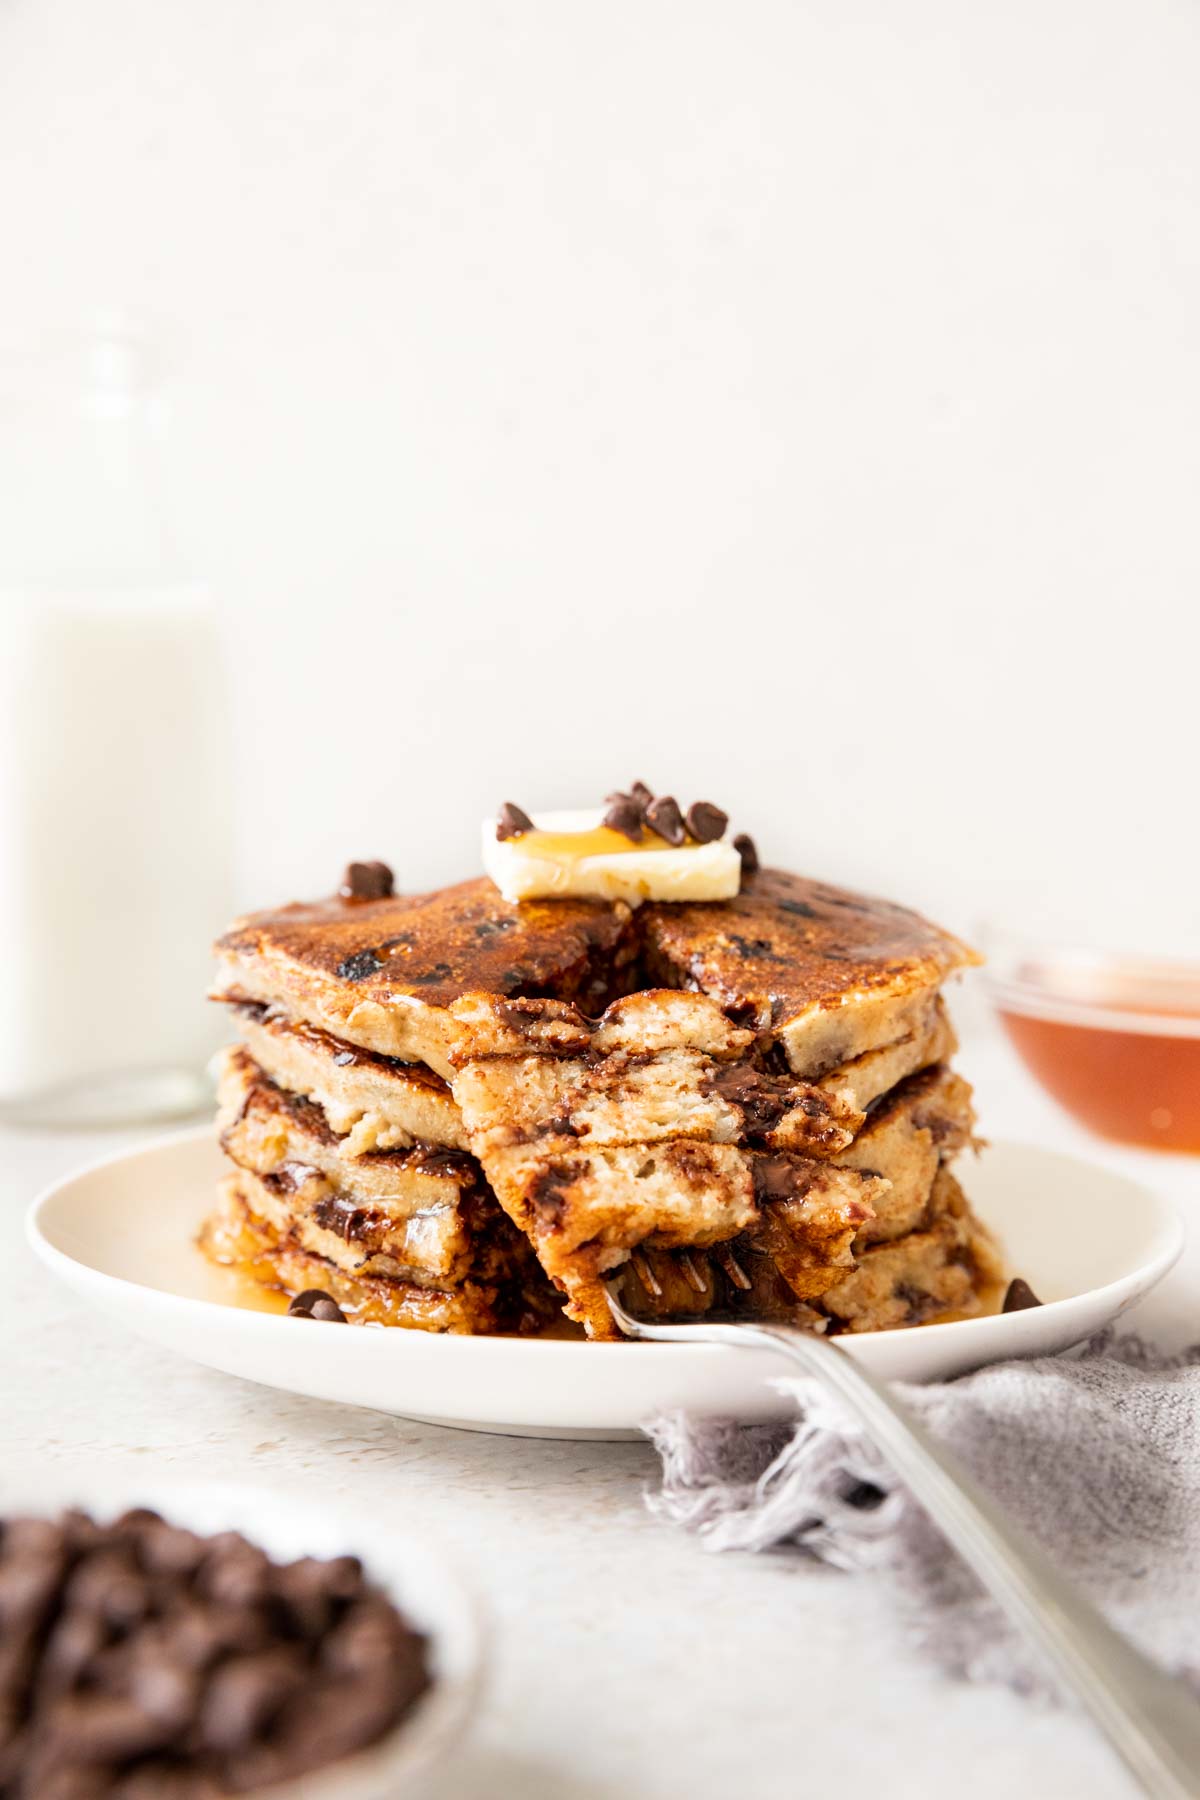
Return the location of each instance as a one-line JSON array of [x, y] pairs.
[[360, 965], [367, 881], [511, 821], [746, 848], [706, 822], [664, 817], [641, 793]]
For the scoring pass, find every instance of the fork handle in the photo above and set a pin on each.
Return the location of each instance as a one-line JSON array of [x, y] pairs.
[[1150, 1719]]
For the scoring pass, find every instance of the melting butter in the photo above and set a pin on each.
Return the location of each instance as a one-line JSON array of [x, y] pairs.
[[572, 854]]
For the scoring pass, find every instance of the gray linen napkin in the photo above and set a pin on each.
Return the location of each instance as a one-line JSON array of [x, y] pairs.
[[1097, 1455]]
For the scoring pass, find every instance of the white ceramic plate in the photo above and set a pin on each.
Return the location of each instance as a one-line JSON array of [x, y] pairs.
[[121, 1233], [287, 1526]]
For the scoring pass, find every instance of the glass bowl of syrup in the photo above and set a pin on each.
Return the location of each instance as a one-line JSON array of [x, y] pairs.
[[1114, 1039]]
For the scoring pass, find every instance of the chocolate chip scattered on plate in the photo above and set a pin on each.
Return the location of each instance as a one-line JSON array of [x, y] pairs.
[[1019, 1296], [315, 1303]]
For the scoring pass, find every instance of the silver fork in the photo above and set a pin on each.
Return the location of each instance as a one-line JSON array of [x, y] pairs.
[[1150, 1720]]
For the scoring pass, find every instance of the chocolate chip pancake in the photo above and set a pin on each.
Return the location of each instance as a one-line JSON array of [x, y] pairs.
[[829, 974], [385, 974], [733, 1103], [950, 1266], [240, 1235], [373, 1102]]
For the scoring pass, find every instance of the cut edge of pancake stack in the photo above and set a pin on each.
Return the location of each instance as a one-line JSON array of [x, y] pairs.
[[459, 1113]]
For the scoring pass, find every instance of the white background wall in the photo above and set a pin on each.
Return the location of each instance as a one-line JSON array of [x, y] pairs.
[[797, 403]]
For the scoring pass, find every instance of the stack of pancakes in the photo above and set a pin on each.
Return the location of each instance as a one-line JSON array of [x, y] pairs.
[[460, 1114]]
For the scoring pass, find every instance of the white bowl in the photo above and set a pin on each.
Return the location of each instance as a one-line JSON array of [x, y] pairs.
[[286, 1526], [121, 1233]]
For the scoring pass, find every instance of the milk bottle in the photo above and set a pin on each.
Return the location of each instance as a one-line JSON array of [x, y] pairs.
[[115, 835]]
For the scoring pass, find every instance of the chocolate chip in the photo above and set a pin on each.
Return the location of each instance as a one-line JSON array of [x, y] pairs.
[[511, 821], [746, 848], [431, 977], [314, 1592], [327, 1308], [245, 1695], [168, 1691], [359, 966], [364, 1638], [110, 1584], [664, 817], [367, 881], [1019, 1296], [76, 1640], [799, 908], [315, 1303], [706, 822], [750, 948], [625, 816], [641, 793], [202, 1634], [99, 1728], [775, 1177], [142, 1661]]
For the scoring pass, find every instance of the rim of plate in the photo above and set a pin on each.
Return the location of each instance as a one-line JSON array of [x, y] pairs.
[[1166, 1246]]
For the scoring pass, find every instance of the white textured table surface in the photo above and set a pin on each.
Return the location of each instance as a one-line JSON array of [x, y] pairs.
[[625, 1661]]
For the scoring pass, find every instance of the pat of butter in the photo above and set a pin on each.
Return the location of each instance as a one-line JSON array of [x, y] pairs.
[[571, 854]]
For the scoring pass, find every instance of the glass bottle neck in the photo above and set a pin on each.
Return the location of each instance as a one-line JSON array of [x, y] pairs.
[[79, 476]]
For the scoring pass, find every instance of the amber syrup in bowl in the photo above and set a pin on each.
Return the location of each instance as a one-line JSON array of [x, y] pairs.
[[1114, 1039]]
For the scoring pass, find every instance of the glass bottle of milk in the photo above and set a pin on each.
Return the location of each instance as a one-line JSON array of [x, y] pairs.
[[115, 829]]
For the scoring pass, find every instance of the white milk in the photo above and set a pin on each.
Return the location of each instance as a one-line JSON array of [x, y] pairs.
[[114, 823], [115, 828]]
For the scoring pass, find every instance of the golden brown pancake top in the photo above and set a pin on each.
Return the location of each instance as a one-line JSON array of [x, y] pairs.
[[786, 944], [783, 946], [437, 947]]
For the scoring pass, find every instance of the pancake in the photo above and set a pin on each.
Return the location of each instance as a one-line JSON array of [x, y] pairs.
[[384, 973], [372, 1102], [949, 1266], [632, 1097], [586, 1211], [732, 1104], [923, 1123], [263, 1127], [864, 1079], [827, 974], [239, 1236], [407, 1215]]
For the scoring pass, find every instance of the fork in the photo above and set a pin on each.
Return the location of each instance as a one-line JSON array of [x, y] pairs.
[[1150, 1720]]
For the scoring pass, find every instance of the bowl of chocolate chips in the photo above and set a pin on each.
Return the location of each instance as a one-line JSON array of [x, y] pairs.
[[190, 1642]]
